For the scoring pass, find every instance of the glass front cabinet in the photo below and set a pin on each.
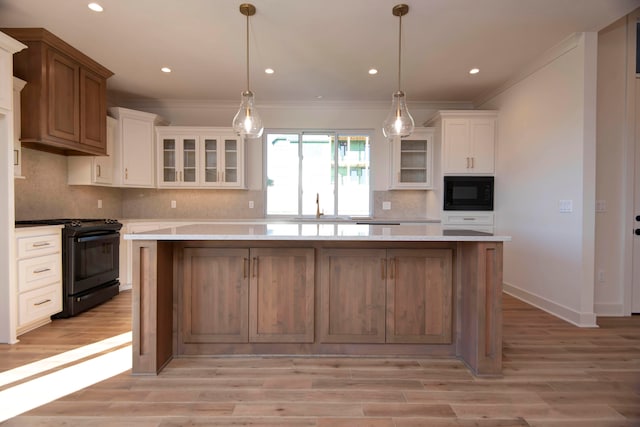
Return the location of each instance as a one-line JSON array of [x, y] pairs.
[[412, 161], [199, 157]]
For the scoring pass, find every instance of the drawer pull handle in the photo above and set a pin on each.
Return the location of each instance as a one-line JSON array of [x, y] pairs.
[[469, 219], [41, 270], [42, 302], [41, 244]]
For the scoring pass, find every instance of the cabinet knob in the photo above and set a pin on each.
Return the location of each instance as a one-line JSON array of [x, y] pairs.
[[637, 231], [637, 217]]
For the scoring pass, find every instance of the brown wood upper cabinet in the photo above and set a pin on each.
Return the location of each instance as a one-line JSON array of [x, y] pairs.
[[64, 104]]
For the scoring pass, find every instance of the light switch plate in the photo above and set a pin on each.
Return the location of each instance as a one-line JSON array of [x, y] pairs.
[[173, 204], [565, 206]]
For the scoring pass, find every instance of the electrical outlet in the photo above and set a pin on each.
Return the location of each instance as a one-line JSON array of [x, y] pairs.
[[601, 276], [601, 205], [386, 206], [250, 204], [173, 204], [99, 204]]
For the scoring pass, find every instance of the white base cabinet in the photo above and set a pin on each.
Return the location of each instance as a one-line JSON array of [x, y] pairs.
[[468, 139], [468, 220], [38, 275]]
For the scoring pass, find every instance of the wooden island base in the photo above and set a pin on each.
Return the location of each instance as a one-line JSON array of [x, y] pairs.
[[373, 298]]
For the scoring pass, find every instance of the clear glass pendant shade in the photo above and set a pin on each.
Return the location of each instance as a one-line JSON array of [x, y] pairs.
[[247, 122], [399, 122]]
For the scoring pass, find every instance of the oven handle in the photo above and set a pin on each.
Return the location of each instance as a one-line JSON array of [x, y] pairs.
[[93, 238]]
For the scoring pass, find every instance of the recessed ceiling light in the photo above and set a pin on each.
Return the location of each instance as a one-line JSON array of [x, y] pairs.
[[319, 97], [165, 69], [95, 7], [269, 71], [373, 71], [474, 71]]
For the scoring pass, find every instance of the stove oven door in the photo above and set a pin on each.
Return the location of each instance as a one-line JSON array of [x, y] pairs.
[[94, 261]]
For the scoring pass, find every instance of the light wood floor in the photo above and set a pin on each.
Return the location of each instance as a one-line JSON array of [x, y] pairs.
[[555, 374]]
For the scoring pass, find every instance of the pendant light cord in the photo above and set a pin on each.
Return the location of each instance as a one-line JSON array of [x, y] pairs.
[[248, 87], [400, 54]]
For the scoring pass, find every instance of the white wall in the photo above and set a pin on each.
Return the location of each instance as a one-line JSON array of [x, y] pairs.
[[546, 153]]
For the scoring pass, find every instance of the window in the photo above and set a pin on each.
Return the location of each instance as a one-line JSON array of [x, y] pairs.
[[305, 167]]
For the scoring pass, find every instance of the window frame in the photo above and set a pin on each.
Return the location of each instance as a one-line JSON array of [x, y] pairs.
[[300, 132]]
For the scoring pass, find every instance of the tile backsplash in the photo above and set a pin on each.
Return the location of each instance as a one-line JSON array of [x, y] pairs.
[[45, 194], [192, 204]]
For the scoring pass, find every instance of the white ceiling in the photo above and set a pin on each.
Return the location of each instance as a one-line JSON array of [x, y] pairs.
[[317, 48]]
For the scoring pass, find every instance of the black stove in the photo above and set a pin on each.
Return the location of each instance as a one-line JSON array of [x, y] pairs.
[[90, 261]]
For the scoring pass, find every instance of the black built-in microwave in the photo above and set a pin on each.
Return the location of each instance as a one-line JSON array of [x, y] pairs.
[[468, 193]]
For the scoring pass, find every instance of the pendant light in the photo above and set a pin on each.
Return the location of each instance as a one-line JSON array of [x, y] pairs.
[[247, 123], [399, 122]]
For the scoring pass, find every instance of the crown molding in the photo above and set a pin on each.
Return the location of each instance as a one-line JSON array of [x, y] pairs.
[[319, 104]]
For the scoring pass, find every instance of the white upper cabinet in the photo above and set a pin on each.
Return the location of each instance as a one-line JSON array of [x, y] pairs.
[[196, 157], [468, 141], [412, 161], [18, 85], [134, 148], [94, 170]]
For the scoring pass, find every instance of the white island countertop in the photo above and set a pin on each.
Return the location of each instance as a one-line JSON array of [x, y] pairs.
[[324, 231]]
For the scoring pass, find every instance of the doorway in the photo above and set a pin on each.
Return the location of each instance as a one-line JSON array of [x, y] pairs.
[[635, 290]]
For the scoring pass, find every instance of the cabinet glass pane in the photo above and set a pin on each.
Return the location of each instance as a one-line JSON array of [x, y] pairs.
[[211, 160], [169, 160], [230, 175], [413, 145], [169, 175], [231, 159], [413, 175], [230, 145], [190, 175], [413, 160], [189, 160]]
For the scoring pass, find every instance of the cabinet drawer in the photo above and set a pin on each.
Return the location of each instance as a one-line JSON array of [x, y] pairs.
[[38, 245], [39, 303], [37, 272], [467, 218]]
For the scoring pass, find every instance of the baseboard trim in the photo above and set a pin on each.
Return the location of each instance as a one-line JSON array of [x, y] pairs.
[[583, 320], [610, 310], [125, 286]]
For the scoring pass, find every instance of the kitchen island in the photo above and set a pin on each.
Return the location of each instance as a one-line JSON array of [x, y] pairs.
[[225, 288]]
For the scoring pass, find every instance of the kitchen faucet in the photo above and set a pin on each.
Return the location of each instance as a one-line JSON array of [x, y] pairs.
[[318, 213]]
